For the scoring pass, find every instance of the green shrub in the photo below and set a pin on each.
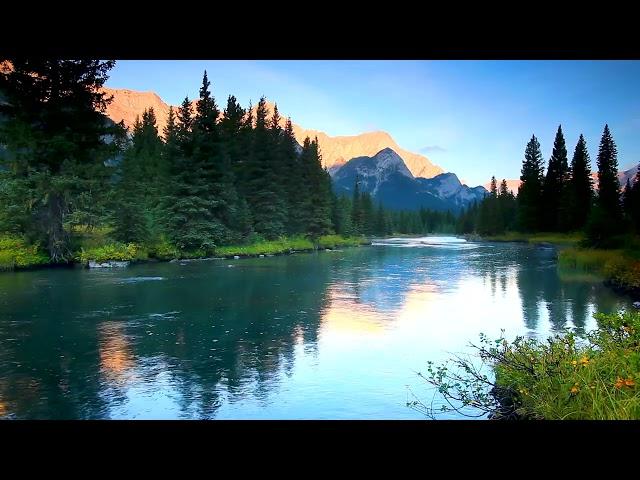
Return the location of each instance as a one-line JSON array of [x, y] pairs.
[[15, 252], [112, 251], [564, 377], [334, 241], [163, 250]]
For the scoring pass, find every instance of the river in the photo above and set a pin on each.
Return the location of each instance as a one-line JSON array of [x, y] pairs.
[[328, 335]]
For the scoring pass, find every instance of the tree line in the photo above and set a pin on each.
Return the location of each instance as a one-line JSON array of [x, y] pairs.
[[212, 177], [564, 198]]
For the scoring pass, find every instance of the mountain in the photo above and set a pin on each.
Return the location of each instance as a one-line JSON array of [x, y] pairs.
[[388, 179], [336, 151]]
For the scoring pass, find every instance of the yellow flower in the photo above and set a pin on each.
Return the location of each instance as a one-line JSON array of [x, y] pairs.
[[574, 390], [584, 361], [574, 363]]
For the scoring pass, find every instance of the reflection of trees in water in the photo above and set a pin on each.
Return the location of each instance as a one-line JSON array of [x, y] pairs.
[[235, 327], [539, 284], [567, 295], [40, 367]]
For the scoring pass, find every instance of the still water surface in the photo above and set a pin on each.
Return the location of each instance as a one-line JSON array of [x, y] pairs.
[[329, 335]]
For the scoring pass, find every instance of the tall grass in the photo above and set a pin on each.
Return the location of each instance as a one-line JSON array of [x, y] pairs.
[[573, 238], [620, 267]]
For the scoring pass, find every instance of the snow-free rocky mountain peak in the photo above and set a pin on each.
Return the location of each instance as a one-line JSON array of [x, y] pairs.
[[386, 177], [336, 151]]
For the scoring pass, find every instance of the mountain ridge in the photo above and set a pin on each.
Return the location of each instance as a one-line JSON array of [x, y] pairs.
[[388, 179], [127, 104]]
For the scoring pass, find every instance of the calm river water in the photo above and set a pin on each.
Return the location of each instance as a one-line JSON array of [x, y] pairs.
[[328, 335]]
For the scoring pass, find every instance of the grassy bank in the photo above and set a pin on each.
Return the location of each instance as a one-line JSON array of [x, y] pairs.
[[620, 268], [96, 245], [594, 377], [567, 379], [542, 237]]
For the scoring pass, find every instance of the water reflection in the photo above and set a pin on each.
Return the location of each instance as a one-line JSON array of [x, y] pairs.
[[330, 335]]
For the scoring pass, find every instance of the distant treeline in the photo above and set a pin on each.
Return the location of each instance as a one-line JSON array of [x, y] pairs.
[[563, 199]]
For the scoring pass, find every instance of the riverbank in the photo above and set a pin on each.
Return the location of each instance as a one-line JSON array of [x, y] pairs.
[[17, 254], [560, 239], [564, 377], [618, 268]]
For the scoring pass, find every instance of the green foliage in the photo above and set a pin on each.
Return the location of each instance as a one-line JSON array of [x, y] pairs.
[[15, 252], [266, 247], [57, 145], [608, 184], [112, 251], [530, 191], [563, 377], [162, 249], [337, 241], [554, 190], [580, 187]]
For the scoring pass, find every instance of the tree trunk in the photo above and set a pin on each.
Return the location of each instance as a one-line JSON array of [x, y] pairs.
[[58, 239]]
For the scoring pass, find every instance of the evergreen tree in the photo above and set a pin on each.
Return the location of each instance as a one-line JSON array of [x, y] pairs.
[[580, 186], [608, 184], [367, 213], [55, 138], [555, 183], [319, 188], [605, 220], [342, 216], [530, 191], [264, 191], [507, 204], [191, 224], [357, 219], [627, 203]]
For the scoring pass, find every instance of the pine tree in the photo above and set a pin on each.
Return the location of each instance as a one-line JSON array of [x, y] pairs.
[[605, 220], [379, 224], [367, 212], [507, 203], [580, 186], [357, 219], [627, 202], [319, 188], [530, 191], [493, 187], [341, 216], [608, 184], [129, 214], [555, 182], [55, 139], [292, 179], [215, 186], [264, 191]]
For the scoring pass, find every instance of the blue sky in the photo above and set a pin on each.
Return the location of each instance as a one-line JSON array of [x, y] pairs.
[[473, 118]]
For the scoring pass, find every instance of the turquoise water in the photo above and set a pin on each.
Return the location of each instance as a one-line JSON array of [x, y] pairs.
[[328, 335]]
